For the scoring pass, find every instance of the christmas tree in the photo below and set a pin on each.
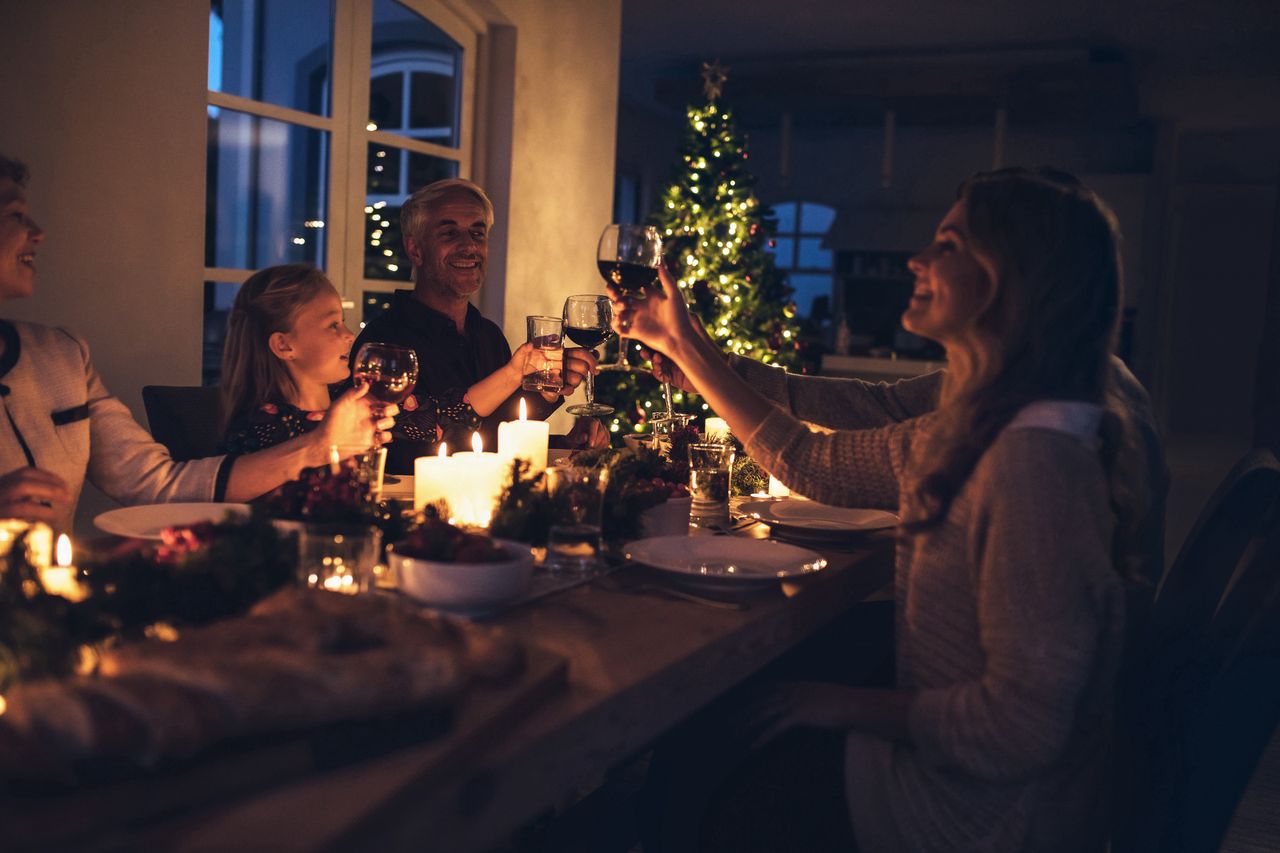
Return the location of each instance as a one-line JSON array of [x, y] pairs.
[[715, 237]]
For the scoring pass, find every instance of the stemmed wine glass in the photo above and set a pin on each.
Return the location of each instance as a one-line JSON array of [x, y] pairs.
[[628, 258], [390, 371], [586, 323]]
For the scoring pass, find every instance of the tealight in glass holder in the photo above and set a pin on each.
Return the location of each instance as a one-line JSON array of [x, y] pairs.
[[339, 558]]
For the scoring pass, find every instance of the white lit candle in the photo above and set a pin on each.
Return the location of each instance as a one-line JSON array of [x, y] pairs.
[[432, 478], [776, 489], [478, 478], [524, 439], [717, 430], [61, 578]]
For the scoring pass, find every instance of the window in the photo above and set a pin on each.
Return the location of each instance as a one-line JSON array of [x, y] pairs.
[[323, 118], [798, 252]]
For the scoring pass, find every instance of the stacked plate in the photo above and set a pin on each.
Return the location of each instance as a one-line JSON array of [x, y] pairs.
[[815, 523]]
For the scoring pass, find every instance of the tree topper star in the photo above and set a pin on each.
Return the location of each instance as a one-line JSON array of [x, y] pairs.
[[713, 76]]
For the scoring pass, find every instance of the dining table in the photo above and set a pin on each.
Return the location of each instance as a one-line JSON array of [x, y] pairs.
[[616, 662]]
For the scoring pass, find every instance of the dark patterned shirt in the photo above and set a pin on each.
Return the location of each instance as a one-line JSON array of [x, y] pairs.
[[424, 421]]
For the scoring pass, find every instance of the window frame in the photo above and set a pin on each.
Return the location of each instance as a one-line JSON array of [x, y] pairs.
[[344, 189], [798, 234]]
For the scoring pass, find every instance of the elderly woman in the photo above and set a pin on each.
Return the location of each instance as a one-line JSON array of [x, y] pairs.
[[1010, 607], [61, 424]]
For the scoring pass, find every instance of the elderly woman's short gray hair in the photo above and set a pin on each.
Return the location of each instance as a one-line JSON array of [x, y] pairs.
[[417, 208]]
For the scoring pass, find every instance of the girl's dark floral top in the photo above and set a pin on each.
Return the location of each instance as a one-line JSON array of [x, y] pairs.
[[449, 416]]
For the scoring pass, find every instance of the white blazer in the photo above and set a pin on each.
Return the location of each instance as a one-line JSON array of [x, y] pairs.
[[56, 414]]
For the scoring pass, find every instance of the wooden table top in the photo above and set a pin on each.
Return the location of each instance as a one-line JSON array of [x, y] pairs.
[[638, 664]]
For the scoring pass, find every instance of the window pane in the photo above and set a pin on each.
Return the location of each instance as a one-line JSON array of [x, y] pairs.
[[276, 51], [384, 256], [783, 252], [384, 170], [374, 305], [812, 255], [265, 203], [816, 218], [809, 286], [786, 214], [219, 296], [386, 101], [409, 48]]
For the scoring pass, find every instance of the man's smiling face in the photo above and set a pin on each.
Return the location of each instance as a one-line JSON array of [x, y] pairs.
[[451, 251], [19, 237]]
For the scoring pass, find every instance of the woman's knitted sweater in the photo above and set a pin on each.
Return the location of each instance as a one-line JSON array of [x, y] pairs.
[[1009, 624]]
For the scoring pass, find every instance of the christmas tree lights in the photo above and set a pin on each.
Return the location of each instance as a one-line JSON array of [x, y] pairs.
[[716, 237]]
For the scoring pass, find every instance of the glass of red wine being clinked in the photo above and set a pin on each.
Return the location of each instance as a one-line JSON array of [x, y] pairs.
[[390, 372], [586, 323], [628, 258]]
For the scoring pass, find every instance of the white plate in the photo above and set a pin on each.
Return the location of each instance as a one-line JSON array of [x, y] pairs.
[[149, 521], [812, 519], [725, 559]]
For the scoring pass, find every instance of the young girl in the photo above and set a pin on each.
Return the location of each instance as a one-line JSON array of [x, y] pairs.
[[1009, 602], [287, 345]]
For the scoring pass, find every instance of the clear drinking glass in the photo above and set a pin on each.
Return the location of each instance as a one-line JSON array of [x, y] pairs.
[[709, 469], [586, 322], [577, 501], [339, 558], [390, 371], [627, 258], [545, 363]]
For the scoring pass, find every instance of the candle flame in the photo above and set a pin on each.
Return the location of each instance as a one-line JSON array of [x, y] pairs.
[[524, 410], [63, 550], [444, 450], [476, 444]]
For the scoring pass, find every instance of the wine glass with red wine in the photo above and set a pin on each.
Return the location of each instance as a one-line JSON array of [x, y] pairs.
[[628, 258], [390, 372], [586, 323]]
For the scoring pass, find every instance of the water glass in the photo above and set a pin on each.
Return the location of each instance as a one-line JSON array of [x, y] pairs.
[[339, 558], [543, 371], [577, 500], [664, 426], [709, 468]]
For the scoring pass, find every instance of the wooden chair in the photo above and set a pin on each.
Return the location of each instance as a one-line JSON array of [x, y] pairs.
[[1201, 697], [186, 419]]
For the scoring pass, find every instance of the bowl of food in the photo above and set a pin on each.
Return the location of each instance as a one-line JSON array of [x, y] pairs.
[[443, 566]]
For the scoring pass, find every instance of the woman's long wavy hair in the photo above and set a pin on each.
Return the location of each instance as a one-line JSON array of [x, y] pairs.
[[1047, 332], [267, 303]]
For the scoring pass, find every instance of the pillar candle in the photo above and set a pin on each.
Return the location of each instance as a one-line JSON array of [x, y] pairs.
[[717, 430], [524, 439], [478, 479], [432, 478]]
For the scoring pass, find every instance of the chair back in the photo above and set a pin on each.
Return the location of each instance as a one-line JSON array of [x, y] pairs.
[[1193, 713], [187, 419], [1239, 510]]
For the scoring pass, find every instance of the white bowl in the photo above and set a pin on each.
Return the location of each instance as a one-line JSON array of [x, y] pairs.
[[670, 518], [464, 586]]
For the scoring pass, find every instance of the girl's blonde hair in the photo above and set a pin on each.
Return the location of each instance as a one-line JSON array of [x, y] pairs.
[[267, 303]]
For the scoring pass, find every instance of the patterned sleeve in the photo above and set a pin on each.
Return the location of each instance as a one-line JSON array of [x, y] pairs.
[[267, 427], [447, 416], [862, 468]]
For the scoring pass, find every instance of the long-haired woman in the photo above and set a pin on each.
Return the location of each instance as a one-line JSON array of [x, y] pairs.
[[1009, 599]]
